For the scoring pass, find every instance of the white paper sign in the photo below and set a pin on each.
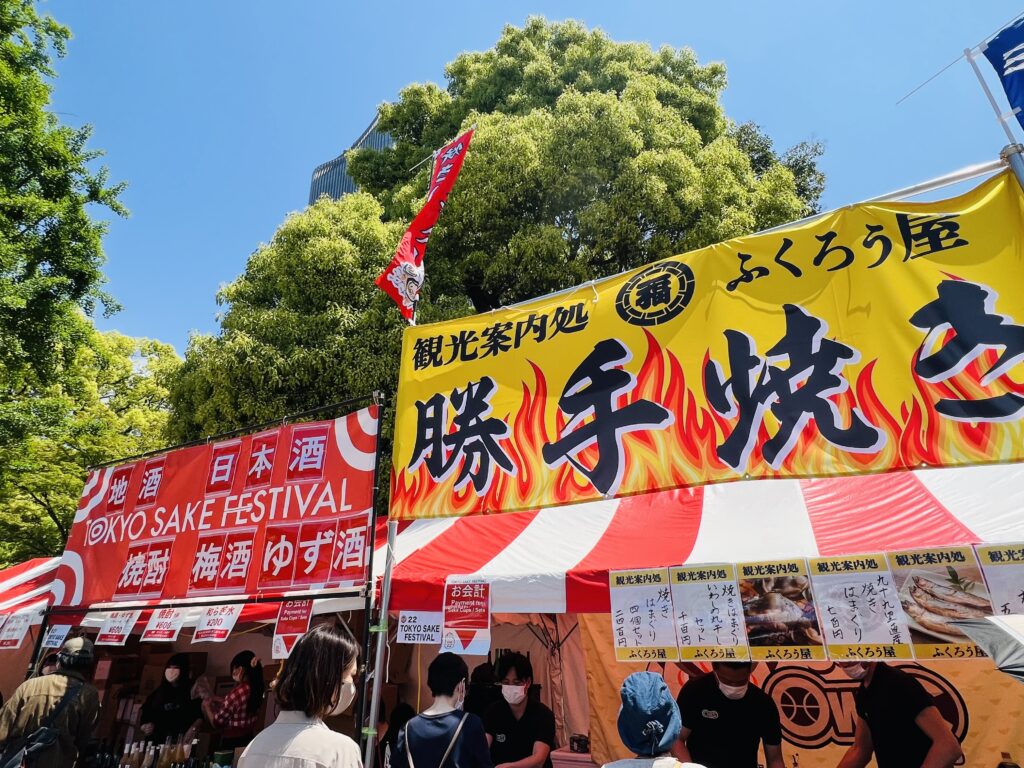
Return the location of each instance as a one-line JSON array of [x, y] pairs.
[[56, 635], [164, 625], [1003, 567], [643, 626], [15, 628], [420, 627], [116, 627], [216, 623], [708, 613]]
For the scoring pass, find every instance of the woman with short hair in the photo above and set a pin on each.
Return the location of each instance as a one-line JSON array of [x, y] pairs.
[[444, 736], [315, 682]]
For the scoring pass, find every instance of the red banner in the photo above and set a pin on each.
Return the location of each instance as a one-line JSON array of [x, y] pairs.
[[280, 511], [403, 277]]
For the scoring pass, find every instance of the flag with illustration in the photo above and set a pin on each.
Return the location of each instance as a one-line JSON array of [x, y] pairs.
[[403, 278]]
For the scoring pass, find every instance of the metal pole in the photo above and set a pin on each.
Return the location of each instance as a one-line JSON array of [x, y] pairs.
[[1012, 154], [378, 399], [382, 636], [991, 99]]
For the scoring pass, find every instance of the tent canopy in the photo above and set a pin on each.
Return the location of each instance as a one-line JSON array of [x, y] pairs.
[[557, 560], [26, 586]]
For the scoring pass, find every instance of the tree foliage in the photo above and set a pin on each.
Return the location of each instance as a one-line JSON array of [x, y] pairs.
[[591, 157], [110, 402], [50, 246], [305, 325]]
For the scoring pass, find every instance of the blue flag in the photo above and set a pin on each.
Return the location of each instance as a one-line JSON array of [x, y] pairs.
[[1005, 52]]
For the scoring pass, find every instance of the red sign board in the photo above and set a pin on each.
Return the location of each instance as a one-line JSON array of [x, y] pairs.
[[292, 623], [467, 616], [276, 512]]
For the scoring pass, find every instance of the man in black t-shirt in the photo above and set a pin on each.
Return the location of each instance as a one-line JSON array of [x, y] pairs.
[[725, 719], [897, 721], [520, 730]]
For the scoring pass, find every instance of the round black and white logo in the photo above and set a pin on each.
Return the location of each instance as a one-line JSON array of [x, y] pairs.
[[656, 295]]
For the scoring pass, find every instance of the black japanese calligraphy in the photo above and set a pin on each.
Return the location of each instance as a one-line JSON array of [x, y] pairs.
[[795, 395], [593, 391], [968, 309], [475, 438]]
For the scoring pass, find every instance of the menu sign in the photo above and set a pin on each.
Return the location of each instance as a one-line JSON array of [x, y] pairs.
[[116, 627], [292, 623], [1003, 567], [938, 587], [861, 615], [13, 631], [708, 613], [215, 623], [643, 622], [779, 611], [164, 625]]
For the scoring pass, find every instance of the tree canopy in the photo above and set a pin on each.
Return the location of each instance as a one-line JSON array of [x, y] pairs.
[[591, 157], [50, 246], [110, 402]]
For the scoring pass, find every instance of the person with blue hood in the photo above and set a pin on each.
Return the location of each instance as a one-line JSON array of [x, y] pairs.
[[649, 723]]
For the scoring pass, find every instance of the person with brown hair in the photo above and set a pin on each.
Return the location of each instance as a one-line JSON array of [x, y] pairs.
[[315, 682]]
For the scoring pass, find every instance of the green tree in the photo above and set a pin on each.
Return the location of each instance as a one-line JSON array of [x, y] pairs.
[[50, 246], [110, 402], [591, 157], [304, 325]]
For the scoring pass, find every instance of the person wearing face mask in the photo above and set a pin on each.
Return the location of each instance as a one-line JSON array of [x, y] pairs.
[[316, 681], [897, 721], [520, 730], [443, 736], [725, 719], [237, 714], [170, 711]]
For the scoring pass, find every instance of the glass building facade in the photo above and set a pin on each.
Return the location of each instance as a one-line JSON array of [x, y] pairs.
[[332, 177]]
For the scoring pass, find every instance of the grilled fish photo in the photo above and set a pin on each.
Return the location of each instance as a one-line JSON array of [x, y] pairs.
[[951, 594]]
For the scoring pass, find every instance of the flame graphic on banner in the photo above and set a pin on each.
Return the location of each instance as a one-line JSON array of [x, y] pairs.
[[684, 453]]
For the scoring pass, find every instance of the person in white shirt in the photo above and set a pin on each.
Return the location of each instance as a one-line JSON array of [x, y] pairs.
[[649, 723], [314, 682]]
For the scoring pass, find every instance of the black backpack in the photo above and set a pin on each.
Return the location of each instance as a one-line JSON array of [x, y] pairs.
[[24, 750]]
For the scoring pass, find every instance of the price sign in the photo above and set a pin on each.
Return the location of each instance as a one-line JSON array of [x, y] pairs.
[[56, 635], [708, 613], [420, 627], [216, 623], [642, 618], [14, 629], [116, 627], [937, 587], [164, 625], [861, 615]]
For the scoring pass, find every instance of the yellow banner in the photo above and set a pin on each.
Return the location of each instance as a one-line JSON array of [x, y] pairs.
[[880, 337]]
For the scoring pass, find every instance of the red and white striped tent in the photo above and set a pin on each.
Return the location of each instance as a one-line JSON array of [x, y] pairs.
[[26, 586], [557, 560]]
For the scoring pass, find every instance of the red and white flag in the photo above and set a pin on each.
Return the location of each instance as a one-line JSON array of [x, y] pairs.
[[403, 277]]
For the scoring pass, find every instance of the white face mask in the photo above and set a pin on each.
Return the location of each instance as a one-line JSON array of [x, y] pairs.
[[171, 675], [346, 695], [514, 694], [855, 671], [734, 692]]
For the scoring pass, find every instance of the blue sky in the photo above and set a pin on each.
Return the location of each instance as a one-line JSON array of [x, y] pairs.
[[216, 113]]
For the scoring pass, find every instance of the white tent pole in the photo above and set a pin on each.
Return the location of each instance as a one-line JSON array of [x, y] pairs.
[[382, 637]]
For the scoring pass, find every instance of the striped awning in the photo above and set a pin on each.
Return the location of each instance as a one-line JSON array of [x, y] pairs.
[[557, 559], [26, 586]]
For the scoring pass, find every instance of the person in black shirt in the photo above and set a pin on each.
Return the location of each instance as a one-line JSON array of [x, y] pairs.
[[520, 730], [725, 718], [483, 690], [897, 721], [170, 711], [443, 736]]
